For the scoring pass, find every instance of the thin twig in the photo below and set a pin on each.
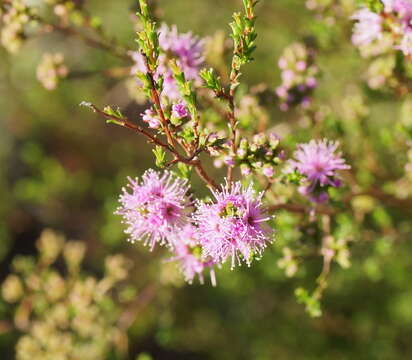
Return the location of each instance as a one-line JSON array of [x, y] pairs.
[[96, 43], [192, 161]]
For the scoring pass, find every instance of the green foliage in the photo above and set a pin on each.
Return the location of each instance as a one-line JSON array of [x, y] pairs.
[[244, 40], [185, 88], [310, 301], [375, 5], [116, 113], [211, 81], [148, 38], [70, 315], [184, 170], [160, 156]]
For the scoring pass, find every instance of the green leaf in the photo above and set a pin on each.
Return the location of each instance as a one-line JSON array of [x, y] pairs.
[[160, 156]]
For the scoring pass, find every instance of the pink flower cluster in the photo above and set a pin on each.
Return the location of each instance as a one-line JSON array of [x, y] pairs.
[[200, 234], [298, 73], [186, 48], [318, 162], [393, 24]]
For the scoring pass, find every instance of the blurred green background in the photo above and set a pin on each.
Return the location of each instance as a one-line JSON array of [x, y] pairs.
[[61, 167]]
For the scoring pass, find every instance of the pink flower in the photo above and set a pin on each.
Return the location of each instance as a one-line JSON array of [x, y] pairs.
[[186, 48], [187, 250], [388, 5], [268, 171], [403, 8], [318, 162], [288, 77], [245, 170], [298, 75], [155, 207], [233, 226], [311, 82], [180, 110], [282, 63], [150, 117], [301, 65], [406, 44], [282, 91], [229, 160], [139, 63], [367, 28], [284, 107]]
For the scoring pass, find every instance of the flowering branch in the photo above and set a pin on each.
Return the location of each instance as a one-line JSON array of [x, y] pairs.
[[183, 122]]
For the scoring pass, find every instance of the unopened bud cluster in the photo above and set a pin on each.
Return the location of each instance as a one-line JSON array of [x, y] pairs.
[[259, 155], [51, 70], [14, 16], [64, 315]]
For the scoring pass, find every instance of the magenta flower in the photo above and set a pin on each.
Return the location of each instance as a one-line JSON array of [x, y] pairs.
[[318, 162], [233, 226], [186, 246], [179, 110], [155, 207]]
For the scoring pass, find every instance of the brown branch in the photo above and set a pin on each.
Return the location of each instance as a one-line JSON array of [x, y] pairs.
[[202, 173], [328, 255], [192, 161], [233, 124], [156, 101], [125, 122]]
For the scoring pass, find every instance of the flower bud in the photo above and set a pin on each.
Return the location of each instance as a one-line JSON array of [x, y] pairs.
[[73, 253], [12, 289], [49, 245]]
